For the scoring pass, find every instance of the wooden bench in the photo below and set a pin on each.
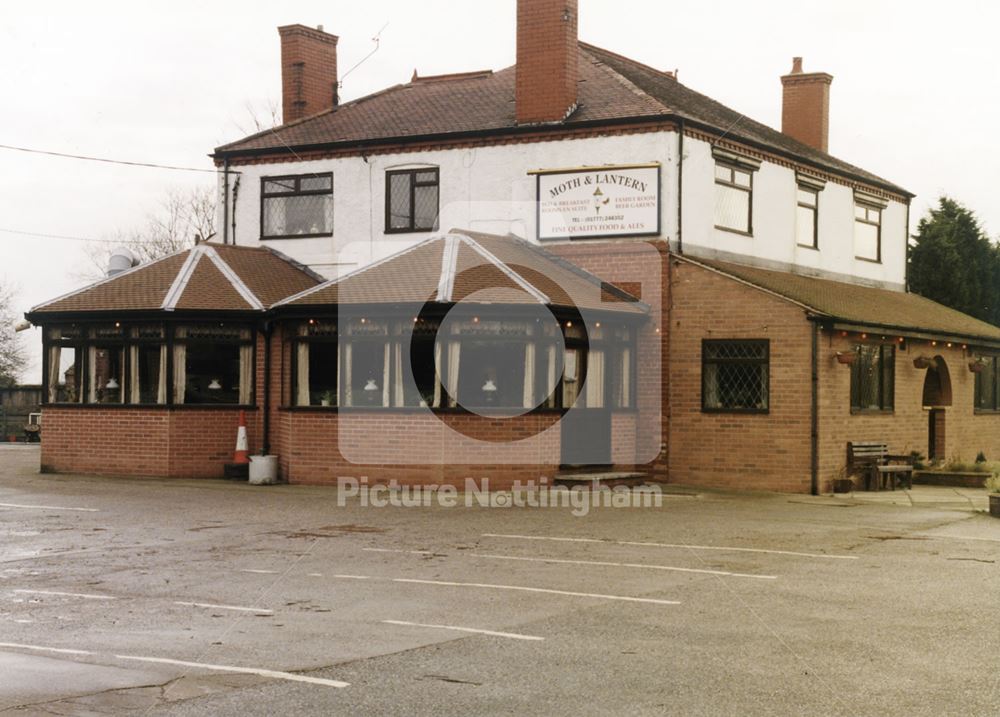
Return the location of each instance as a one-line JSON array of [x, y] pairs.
[[879, 467]]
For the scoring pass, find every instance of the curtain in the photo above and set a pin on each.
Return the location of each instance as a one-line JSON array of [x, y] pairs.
[[595, 379], [710, 385], [437, 374], [246, 374], [385, 374], [454, 356], [625, 398], [161, 381], [134, 394], [92, 374], [55, 358], [348, 376], [550, 384], [529, 376], [302, 397], [180, 366], [398, 398]]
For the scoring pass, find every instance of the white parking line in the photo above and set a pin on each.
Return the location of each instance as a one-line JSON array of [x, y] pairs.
[[260, 572], [606, 563], [623, 598], [224, 607], [669, 568], [85, 596], [720, 548], [273, 674], [48, 507], [511, 635]]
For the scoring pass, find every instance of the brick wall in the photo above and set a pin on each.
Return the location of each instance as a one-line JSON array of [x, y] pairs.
[[906, 428], [727, 450], [547, 59]]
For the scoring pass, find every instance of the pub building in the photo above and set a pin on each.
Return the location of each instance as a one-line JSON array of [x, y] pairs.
[[573, 265]]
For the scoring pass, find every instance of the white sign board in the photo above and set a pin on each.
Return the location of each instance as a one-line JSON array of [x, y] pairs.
[[599, 202]]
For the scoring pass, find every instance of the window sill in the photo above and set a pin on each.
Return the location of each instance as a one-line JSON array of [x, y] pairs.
[[498, 412], [411, 231], [737, 411], [297, 236], [739, 232], [872, 411], [870, 261], [807, 246], [986, 412]]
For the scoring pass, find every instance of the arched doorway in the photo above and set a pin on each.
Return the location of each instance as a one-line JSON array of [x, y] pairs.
[[936, 397]]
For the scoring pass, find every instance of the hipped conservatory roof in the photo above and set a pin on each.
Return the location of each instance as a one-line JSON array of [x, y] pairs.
[[468, 267], [863, 306], [207, 277]]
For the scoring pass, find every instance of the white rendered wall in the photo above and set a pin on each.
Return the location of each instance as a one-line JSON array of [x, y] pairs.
[[490, 189], [773, 242]]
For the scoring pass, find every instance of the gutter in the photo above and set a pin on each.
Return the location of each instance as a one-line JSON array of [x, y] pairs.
[[225, 203]]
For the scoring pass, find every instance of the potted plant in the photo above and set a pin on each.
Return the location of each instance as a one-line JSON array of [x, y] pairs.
[[993, 486], [326, 398]]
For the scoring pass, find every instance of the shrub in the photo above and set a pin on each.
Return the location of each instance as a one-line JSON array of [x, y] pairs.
[[980, 457], [993, 483]]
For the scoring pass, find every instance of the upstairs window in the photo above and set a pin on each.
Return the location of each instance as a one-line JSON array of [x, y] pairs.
[[411, 200], [733, 198], [867, 232], [296, 206], [735, 376], [807, 217], [873, 378]]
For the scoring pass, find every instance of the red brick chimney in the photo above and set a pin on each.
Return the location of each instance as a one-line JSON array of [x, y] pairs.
[[308, 71], [547, 58], [805, 106]]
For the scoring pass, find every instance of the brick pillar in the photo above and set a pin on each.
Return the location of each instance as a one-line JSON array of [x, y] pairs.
[[805, 106], [308, 71], [940, 442], [547, 60]]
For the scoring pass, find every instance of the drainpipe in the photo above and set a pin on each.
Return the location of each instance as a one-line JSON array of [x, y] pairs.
[[906, 250], [268, 328], [236, 194], [814, 415], [225, 202], [680, 184]]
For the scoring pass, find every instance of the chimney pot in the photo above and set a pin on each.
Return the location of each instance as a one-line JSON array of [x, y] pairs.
[[308, 71], [805, 106], [547, 69]]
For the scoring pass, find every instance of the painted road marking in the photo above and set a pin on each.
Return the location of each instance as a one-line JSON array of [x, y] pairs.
[[511, 635], [224, 607], [721, 548], [623, 598], [957, 537], [261, 572], [48, 507], [670, 568], [85, 596], [273, 674]]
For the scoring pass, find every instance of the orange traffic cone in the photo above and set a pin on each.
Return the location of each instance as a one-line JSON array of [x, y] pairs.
[[241, 454]]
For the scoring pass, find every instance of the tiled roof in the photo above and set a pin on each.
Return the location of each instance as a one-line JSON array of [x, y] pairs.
[[862, 305], [470, 267], [208, 277], [611, 88]]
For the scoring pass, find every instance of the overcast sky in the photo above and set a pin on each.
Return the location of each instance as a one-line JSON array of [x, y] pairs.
[[914, 97]]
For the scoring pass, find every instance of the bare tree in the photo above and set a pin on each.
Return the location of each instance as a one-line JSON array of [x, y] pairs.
[[184, 215], [13, 357]]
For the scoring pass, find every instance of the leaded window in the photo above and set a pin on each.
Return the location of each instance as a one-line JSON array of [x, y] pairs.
[[873, 377], [411, 200], [735, 375], [296, 206]]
